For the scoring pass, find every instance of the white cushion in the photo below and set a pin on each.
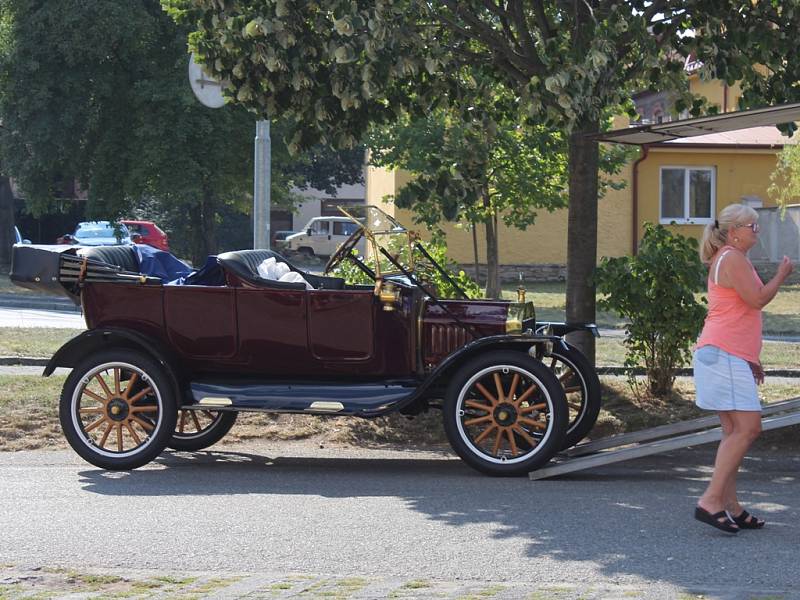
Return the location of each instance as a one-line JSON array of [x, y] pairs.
[[295, 277], [265, 269]]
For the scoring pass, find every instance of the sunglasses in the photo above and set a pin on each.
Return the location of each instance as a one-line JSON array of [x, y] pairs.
[[753, 226]]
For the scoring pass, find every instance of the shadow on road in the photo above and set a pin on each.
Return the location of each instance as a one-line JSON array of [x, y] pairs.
[[633, 519]]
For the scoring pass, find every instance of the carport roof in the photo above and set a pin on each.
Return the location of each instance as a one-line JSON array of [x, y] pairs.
[[703, 126]]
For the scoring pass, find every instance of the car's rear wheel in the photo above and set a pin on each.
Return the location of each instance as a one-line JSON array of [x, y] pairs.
[[198, 429], [505, 413], [306, 252], [118, 409], [581, 387]]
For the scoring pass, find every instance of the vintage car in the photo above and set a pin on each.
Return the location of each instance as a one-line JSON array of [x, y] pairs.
[[171, 363]]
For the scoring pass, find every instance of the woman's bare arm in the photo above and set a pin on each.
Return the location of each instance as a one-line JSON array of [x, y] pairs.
[[736, 272]]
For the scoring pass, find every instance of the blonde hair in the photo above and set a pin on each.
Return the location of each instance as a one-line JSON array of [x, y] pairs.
[[715, 235]]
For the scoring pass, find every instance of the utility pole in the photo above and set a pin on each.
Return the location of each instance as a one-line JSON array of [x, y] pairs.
[[262, 184]]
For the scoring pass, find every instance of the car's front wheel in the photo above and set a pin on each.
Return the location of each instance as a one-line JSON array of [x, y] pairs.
[[198, 429], [581, 387], [118, 409], [505, 413]]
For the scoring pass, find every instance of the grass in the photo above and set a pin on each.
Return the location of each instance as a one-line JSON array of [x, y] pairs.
[[7, 287], [29, 417], [774, 355], [780, 315], [33, 341]]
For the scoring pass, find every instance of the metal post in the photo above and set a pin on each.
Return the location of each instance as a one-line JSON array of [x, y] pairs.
[[262, 183]]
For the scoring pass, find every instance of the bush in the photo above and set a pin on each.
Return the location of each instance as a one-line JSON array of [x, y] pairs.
[[422, 269], [654, 291]]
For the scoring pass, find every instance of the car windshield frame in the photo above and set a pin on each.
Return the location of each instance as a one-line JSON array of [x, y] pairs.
[[385, 236]]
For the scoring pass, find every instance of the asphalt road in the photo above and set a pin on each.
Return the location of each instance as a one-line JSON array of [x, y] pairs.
[[378, 513]]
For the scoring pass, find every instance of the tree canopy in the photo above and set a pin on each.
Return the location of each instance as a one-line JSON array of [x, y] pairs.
[[98, 92], [333, 66]]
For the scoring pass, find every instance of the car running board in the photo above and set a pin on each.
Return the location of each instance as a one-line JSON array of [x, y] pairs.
[[365, 400]]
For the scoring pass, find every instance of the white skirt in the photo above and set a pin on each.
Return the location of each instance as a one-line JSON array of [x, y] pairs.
[[723, 381]]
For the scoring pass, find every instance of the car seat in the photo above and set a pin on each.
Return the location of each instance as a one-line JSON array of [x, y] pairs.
[[242, 265], [121, 256]]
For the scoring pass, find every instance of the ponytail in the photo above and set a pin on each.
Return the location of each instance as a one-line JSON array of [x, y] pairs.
[[714, 238]]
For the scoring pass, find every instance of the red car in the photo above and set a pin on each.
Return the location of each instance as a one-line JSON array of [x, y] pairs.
[[150, 234], [170, 363]]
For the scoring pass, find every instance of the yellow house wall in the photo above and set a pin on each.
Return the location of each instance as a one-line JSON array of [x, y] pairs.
[[739, 173], [715, 91], [545, 242]]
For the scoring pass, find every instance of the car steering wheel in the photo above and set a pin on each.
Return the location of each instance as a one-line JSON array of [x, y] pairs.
[[343, 251]]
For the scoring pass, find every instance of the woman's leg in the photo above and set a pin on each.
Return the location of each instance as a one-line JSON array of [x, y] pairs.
[[744, 427], [730, 499]]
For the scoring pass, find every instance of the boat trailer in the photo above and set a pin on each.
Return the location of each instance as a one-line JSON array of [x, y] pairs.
[[655, 440]]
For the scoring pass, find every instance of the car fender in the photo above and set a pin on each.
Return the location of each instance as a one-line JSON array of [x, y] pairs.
[[522, 343], [94, 340]]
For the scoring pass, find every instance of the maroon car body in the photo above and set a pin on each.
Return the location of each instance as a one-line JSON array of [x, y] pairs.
[[171, 365]]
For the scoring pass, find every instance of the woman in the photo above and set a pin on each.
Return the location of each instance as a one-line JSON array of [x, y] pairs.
[[726, 359]]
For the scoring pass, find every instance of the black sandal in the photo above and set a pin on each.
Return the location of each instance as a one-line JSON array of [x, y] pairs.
[[728, 525], [747, 521]]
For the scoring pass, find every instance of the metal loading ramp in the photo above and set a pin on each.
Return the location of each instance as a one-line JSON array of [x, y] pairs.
[[636, 444]]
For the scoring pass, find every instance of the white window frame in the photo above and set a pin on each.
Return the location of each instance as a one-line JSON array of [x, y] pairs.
[[686, 220]]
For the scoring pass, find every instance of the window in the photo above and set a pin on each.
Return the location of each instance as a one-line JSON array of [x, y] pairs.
[[319, 228], [687, 194], [344, 228]]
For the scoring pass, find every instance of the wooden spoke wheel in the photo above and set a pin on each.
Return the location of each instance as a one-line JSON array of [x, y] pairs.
[[117, 409], [581, 387], [198, 429], [505, 413]]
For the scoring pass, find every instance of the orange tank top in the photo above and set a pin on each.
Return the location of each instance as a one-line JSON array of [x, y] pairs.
[[731, 324]]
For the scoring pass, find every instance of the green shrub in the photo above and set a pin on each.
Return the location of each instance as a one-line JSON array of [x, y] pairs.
[[422, 269], [654, 291]]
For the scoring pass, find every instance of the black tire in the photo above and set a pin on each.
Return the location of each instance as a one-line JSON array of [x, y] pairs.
[[581, 388], [141, 415], [488, 432], [306, 252], [195, 430]]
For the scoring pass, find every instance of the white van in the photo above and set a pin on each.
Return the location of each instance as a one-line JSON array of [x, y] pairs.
[[321, 236]]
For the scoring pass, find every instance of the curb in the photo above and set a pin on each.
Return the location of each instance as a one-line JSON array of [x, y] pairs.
[[23, 361], [686, 372], [38, 302], [38, 361]]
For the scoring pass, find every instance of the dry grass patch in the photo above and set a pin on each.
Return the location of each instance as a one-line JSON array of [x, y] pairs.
[[29, 417], [34, 341]]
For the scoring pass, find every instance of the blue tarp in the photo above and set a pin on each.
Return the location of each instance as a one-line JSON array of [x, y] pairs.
[[157, 263]]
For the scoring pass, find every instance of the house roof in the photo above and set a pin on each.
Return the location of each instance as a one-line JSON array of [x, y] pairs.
[[727, 123], [767, 136]]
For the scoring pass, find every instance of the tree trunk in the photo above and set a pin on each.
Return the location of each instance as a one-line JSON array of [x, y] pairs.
[[475, 252], [209, 215], [204, 227], [582, 235], [6, 224], [492, 259]]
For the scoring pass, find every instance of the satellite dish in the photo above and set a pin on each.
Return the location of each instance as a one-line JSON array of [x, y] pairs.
[[207, 89]]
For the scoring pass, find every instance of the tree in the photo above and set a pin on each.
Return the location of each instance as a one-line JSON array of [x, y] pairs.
[[334, 66], [98, 92], [654, 291], [785, 179], [477, 171]]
